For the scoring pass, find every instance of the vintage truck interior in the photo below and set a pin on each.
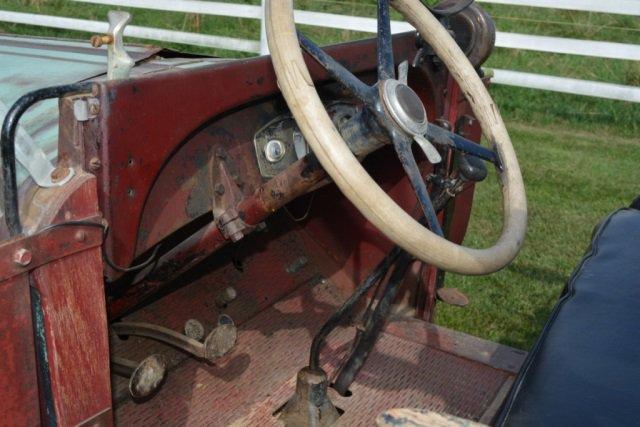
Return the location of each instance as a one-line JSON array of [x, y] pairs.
[[263, 241]]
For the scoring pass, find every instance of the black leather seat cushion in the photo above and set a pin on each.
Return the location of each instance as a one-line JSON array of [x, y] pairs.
[[585, 368]]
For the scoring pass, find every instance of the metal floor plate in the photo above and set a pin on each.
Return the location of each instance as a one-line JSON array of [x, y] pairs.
[[249, 385]]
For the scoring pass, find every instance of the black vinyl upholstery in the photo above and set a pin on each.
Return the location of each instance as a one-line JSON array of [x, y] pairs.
[[585, 368]]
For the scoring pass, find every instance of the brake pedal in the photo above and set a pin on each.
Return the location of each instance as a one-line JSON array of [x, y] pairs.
[[221, 339], [145, 378], [452, 296], [218, 343]]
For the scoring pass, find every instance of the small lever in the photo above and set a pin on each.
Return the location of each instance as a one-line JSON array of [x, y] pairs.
[[403, 72], [429, 150], [119, 62]]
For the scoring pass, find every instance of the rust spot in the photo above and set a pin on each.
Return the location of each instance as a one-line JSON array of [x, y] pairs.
[[97, 41], [277, 194], [311, 166]]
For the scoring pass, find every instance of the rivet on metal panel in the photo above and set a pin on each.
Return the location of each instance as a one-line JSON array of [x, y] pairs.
[[22, 257], [95, 163], [226, 296], [80, 236], [297, 265]]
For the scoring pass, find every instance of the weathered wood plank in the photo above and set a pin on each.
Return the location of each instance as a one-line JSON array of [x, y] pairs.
[[76, 331], [18, 374]]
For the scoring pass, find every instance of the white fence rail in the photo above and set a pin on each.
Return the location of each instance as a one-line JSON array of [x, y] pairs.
[[620, 7], [170, 36], [600, 49]]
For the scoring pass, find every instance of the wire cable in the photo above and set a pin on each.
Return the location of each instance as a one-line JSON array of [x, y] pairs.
[[105, 227]]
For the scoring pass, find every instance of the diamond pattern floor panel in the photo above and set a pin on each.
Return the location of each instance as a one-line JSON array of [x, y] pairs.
[[247, 386]]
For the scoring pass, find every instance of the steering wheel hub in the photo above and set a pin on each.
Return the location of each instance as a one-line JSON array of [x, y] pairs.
[[404, 106]]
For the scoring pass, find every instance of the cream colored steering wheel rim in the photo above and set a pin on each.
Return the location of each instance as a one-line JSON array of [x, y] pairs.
[[355, 183]]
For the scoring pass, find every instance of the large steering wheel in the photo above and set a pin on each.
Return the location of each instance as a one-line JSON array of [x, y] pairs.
[[399, 111]]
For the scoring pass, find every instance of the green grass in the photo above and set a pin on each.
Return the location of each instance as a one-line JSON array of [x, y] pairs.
[[579, 155], [572, 181]]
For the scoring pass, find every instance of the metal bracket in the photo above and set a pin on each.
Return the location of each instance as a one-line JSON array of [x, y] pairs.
[[280, 142], [33, 158], [282, 134], [20, 255], [226, 196], [86, 109]]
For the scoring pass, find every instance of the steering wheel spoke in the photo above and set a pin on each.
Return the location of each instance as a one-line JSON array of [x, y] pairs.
[[410, 166], [336, 70], [385, 45], [441, 136]]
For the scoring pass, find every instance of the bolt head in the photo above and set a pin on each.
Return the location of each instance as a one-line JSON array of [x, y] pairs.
[[96, 41], [443, 123], [22, 257], [236, 237], [99, 40], [219, 189], [95, 163], [80, 236]]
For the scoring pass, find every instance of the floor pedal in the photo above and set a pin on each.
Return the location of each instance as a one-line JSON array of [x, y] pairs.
[[452, 296]]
